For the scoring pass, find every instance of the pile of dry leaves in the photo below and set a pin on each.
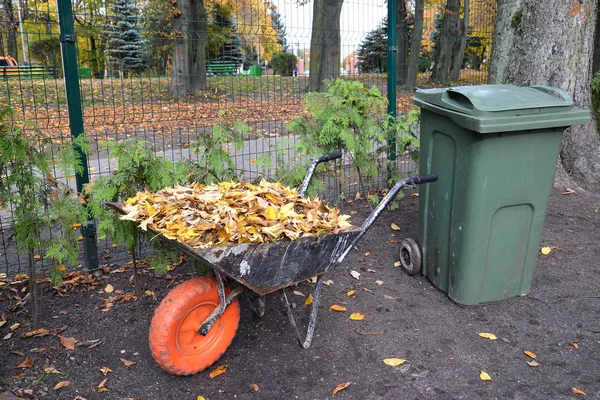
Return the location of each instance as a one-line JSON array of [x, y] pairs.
[[232, 213]]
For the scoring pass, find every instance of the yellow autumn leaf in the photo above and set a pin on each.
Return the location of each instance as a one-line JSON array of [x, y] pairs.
[[350, 293], [105, 370], [339, 387], [395, 227], [575, 345], [336, 307], [357, 316], [102, 386], [62, 384], [394, 362], [76, 225], [367, 254], [308, 300], [530, 354], [546, 250], [578, 391], [200, 398], [484, 376], [109, 288], [487, 335], [219, 371], [397, 264], [2, 323]]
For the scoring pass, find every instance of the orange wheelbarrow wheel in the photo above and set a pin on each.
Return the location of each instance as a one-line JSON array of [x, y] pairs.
[[175, 342]]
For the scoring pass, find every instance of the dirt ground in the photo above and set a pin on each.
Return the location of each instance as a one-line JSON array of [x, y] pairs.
[[405, 317]]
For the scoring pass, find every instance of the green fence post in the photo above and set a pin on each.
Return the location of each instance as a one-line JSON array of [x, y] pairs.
[[391, 70], [71, 73]]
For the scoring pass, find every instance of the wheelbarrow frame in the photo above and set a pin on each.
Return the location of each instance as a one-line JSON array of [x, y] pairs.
[[235, 260]]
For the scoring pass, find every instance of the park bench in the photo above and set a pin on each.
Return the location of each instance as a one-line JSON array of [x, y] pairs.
[[221, 67], [27, 71]]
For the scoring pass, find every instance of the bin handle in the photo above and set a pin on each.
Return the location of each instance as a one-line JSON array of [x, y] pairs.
[[550, 89]]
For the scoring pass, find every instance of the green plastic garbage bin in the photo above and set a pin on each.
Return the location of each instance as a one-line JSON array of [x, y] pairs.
[[255, 70], [495, 150]]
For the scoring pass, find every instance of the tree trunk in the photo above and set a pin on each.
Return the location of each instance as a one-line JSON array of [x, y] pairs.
[[403, 42], [415, 46], [11, 29], [325, 43], [449, 31], [549, 44], [460, 54], [189, 60]]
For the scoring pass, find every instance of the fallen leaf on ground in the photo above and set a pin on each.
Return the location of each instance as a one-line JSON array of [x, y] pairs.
[[21, 375], [350, 293], [546, 250], [8, 336], [357, 316], [339, 387], [533, 363], [105, 370], [484, 376], [297, 293], [569, 191], [102, 386], [200, 398], [379, 282], [328, 282], [530, 354], [367, 290], [37, 332], [255, 387], [62, 384], [149, 293], [28, 363], [397, 264], [367, 254], [308, 300], [38, 350], [394, 362], [127, 362], [336, 307], [219, 371], [355, 274], [387, 296], [578, 391], [395, 227], [575, 345], [414, 195], [68, 342], [52, 370], [76, 225], [14, 326], [371, 270], [487, 335], [109, 288], [2, 323]]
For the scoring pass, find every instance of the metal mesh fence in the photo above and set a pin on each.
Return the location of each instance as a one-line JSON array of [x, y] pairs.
[[135, 75]]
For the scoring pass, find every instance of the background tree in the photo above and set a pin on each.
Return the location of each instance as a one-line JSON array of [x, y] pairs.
[[372, 51], [415, 46], [548, 42], [225, 41], [402, 42], [190, 21], [125, 42], [10, 27], [462, 44], [284, 63], [325, 43], [279, 27], [90, 20], [448, 33]]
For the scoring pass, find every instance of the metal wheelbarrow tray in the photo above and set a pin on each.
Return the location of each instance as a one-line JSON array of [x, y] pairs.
[[262, 268]]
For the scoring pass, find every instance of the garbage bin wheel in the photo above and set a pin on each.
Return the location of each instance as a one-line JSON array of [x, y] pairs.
[[410, 256], [175, 342]]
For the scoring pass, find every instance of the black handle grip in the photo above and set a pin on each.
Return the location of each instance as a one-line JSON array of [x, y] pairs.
[[331, 156], [425, 178]]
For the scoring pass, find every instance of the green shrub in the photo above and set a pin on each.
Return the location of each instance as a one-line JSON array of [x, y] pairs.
[[284, 63]]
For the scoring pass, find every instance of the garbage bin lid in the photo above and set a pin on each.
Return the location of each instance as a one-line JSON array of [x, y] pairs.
[[494, 108]]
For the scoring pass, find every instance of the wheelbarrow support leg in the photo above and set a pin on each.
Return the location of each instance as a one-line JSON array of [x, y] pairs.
[[224, 302], [312, 321]]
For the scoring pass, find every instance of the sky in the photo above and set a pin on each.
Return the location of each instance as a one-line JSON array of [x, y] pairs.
[[358, 17]]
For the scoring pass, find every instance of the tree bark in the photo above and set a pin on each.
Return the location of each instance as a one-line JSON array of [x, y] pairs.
[[402, 41], [11, 29], [596, 63], [325, 43], [449, 31], [460, 54], [549, 44], [189, 59], [415, 46]]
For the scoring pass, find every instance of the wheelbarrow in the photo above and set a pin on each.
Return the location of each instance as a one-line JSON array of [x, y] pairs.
[[198, 319]]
